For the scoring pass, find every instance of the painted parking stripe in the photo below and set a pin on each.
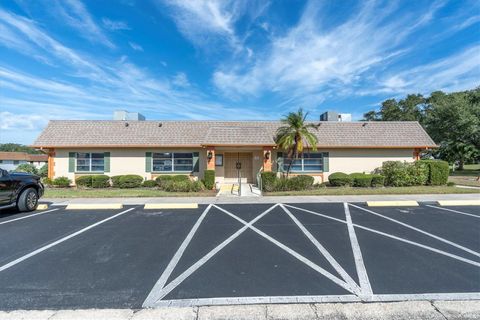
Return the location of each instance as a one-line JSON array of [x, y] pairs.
[[394, 237], [175, 282], [153, 295], [93, 206], [357, 254], [48, 246], [459, 202], [29, 216], [403, 203], [454, 211], [322, 250], [420, 230], [171, 206]]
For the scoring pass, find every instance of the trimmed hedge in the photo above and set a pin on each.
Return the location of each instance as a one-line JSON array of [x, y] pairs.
[[361, 180], [397, 173], [301, 182], [163, 180], [378, 180], [209, 179], [61, 182], [183, 186], [149, 184], [437, 172], [93, 181], [268, 181], [129, 181], [340, 179]]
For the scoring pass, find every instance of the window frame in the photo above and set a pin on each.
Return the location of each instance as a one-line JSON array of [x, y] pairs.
[[90, 165], [219, 158], [172, 159], [302, 163]]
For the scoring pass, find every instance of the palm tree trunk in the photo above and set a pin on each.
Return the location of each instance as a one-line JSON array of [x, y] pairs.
[[294, 156]]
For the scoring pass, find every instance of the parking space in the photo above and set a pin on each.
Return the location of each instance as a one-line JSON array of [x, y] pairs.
[[220, 254]]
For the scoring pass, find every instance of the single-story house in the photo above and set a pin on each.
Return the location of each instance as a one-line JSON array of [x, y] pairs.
[[153, 148], [11, 160]]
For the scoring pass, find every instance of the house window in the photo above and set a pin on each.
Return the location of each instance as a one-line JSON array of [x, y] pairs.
[[219, 160], [90, 162], [16, 162], [308, 162], [172, 162]]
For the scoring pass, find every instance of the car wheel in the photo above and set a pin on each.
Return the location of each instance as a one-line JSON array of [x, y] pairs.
[[28, 200]]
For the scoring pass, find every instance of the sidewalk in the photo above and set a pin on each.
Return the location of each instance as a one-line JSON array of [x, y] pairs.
[[272, 199], [435, 310]]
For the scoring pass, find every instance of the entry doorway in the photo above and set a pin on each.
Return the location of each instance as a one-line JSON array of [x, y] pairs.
[[230, 166]]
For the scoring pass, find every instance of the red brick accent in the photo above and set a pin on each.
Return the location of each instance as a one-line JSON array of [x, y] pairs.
[[267, 163], [211, 162]]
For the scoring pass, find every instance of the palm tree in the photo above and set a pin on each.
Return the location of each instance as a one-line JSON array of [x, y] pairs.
[[294, 135]]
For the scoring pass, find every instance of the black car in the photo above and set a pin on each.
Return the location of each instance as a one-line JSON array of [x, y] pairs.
[[21, 190]]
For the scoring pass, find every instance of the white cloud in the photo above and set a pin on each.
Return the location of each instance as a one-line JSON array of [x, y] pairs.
[[135, 46], [115, 25], [181, 80], [309, 62], [74, 13], [11, 121]]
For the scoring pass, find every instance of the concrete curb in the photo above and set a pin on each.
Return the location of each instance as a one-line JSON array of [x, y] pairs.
[[266, 199], [435, 310]]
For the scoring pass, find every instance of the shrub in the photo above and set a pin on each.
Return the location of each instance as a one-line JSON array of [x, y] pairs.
[[150, 184], [43, 171], [450, 183], [181, 177], [438, 172], [209, 179], [418, 173], [163, 180], [84, 181], [100, 181], [361, 180], [268, 181], [26, 167], [340, 179], [378, 180], [61, 182], [183, 186], [47, 181], [116, 181], [302, 182], [281, 184], [130, 181], [397, 173]]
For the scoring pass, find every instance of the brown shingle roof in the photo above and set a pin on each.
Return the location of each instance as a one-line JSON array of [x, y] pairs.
[[90, 133], [23, 156]]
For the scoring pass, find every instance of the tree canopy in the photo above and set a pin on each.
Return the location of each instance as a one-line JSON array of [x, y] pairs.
[[451, 119], [14, 147]]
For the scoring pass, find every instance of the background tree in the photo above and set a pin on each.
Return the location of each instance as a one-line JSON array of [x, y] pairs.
[[294, 136], [14, 147], [26, 167]]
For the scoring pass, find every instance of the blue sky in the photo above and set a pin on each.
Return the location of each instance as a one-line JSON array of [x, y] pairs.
[[168, 59]]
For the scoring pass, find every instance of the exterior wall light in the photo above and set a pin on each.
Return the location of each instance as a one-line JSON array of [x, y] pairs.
[[210, 155], [267, 155]]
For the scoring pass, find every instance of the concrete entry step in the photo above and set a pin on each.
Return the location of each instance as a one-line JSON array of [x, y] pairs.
[[230, 189]]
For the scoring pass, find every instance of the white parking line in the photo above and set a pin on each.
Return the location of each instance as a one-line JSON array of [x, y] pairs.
[[29, 216], [353, 289], [152, 297], [175, 282], [322, 250], [357, 254], [395, 237], [48, 246], [455, 211], [420, 230]]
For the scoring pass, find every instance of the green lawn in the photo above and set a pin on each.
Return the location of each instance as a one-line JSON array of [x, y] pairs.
[[330, 191], [466, 177], [118, 193]]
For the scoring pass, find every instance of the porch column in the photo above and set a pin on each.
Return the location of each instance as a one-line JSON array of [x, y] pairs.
[[267, 159], [211, 161], [51, 163], [416, 154]]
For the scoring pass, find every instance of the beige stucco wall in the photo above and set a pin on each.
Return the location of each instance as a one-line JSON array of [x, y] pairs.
[[359, 160], [132, 161], [123, 161]]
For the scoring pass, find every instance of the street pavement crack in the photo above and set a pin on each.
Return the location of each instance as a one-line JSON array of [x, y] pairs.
[[315, 311], [437, 310]]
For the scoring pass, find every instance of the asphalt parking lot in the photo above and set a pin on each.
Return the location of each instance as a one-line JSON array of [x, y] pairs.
[[237, 253]]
